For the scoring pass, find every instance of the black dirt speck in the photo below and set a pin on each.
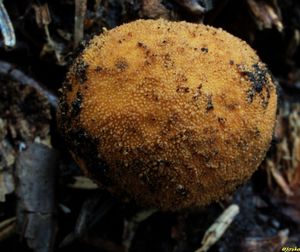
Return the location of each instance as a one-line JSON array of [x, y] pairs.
[[209, 105], [121, 64], [259, 80], [181, 191], [80, 68], [182, 89], [76, 105], [141, 45], [204, 49], [86, 146]]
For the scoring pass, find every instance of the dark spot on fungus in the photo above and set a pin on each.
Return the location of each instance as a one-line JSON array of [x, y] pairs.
[[80, 68], [182, 89], [222, 120], [231, 62], [98, 69], [204, 49], [259, 80], [76, 105], [168, 62], [67, 85], [209, 104], [258, 77], [121, 64], [64, 108], [231, 106], [85, 146], [197, 92], [181, 191], [142, 45]]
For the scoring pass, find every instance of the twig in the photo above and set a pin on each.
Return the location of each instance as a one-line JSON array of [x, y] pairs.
[[279, 179], [80, 10], [216, 230]]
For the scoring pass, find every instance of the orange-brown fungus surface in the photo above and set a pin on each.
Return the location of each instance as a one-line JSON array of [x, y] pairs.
[[171, 114]]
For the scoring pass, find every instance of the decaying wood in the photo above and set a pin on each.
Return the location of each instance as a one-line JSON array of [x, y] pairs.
[[36, 208]]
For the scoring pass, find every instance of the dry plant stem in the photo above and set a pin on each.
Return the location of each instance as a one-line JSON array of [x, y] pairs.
[[83, 183], [279, 179], [80, 10], [43, 19], [7, 228], [216, 230], [54, 46], [42, 15], [295, 133], [6, 27]]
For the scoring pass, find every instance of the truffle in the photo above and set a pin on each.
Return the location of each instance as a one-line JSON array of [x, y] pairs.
[[171, 114]]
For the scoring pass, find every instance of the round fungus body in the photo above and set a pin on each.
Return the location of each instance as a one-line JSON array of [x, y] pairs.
[[171, 114]]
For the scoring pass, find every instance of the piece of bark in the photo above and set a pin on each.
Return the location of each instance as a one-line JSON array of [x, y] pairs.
[[36, 207]]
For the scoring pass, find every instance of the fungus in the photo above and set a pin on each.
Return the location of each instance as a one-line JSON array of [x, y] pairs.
[[171, 114]]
